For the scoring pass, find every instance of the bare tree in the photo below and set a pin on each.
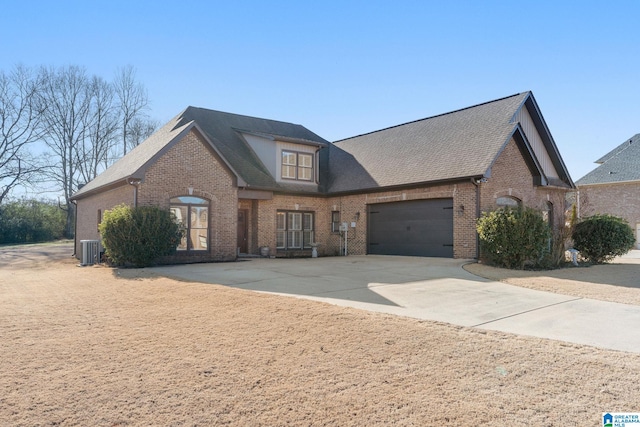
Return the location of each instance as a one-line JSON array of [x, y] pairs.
[[77, 117], [19, 119], [67, 98], [100, 129], [141, 128], [133, 101]]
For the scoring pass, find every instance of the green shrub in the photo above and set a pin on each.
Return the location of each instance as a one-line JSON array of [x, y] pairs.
[[28, 221], [138, 236], [600, 238], [513, 237]]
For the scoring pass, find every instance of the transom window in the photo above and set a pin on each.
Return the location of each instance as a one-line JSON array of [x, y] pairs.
[[294, 230], [297, 166], [508, 201], [193, 214]]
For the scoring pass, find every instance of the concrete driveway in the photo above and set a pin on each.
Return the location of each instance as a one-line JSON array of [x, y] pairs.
[[432, 289]]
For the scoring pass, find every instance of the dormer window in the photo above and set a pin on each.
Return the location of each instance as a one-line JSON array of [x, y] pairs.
[[297, 166]]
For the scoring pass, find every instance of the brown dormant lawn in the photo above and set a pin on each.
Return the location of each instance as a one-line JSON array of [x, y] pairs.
[[96, 346]]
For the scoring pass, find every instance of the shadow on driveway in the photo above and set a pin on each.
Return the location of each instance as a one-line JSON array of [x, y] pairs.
[[354, 278]]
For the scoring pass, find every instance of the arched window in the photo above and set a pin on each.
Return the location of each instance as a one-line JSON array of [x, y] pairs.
[[193, 213], [508, 201]]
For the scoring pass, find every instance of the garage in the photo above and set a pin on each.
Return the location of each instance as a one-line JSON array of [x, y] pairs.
[[411, 228]]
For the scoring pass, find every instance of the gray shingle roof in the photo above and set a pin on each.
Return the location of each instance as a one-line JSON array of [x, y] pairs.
[[456, 145], [222, 130], [619, 165], [463, 143], [130, 165]]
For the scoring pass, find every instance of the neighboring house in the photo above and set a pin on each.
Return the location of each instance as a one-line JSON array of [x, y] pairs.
[[614, 187], [241, 183]]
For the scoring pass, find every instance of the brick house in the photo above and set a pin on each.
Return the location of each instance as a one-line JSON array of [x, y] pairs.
[[241, 183], [614, 187]]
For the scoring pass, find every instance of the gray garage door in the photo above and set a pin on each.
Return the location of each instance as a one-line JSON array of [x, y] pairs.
[[413, 228]]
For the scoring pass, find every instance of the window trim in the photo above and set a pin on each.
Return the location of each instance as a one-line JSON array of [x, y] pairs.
[[284, 234], [296, 166]]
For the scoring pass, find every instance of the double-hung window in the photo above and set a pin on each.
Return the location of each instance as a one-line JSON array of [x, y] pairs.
[[297, 166], [335, 221], [294, 230]]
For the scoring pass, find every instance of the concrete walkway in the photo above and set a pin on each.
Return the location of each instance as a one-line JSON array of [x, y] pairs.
[[432, 289]]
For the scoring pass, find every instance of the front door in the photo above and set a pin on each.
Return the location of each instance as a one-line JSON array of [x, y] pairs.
[[243, 231]]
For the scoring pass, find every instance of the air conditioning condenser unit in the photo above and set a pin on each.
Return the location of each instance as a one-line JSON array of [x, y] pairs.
[[91, 250]]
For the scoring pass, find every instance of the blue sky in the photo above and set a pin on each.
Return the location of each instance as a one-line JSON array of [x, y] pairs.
[[342, 68]]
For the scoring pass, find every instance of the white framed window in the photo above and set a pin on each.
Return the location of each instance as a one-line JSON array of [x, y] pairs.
[[294, 230], [298, 166], [289, 165], [305, 167]]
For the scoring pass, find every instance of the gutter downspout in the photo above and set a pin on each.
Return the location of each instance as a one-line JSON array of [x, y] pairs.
[[477, 185], [134, 182], [75, 229]]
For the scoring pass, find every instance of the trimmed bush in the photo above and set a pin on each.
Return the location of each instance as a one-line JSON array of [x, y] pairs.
[[513, 237], [138, 236], [600, 238]]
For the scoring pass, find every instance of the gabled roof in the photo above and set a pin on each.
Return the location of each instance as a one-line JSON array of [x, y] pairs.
[[621, 164], [462, 144], [456, 145], [223, 132], [133, 164]]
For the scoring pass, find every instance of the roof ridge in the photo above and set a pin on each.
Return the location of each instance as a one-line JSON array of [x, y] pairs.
[[621, 148], [433, 117], [240, 115]]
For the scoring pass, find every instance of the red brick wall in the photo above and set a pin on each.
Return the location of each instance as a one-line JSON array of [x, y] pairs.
[[622, 200], [353, 208], [266, 218], [87, 212], [510, 176], [191, 163]]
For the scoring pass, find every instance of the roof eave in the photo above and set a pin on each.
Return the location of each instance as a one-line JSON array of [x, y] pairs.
[[192, 125], [467, 178], [547, 139], [283, 138], [78, 195], [631, 181]]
